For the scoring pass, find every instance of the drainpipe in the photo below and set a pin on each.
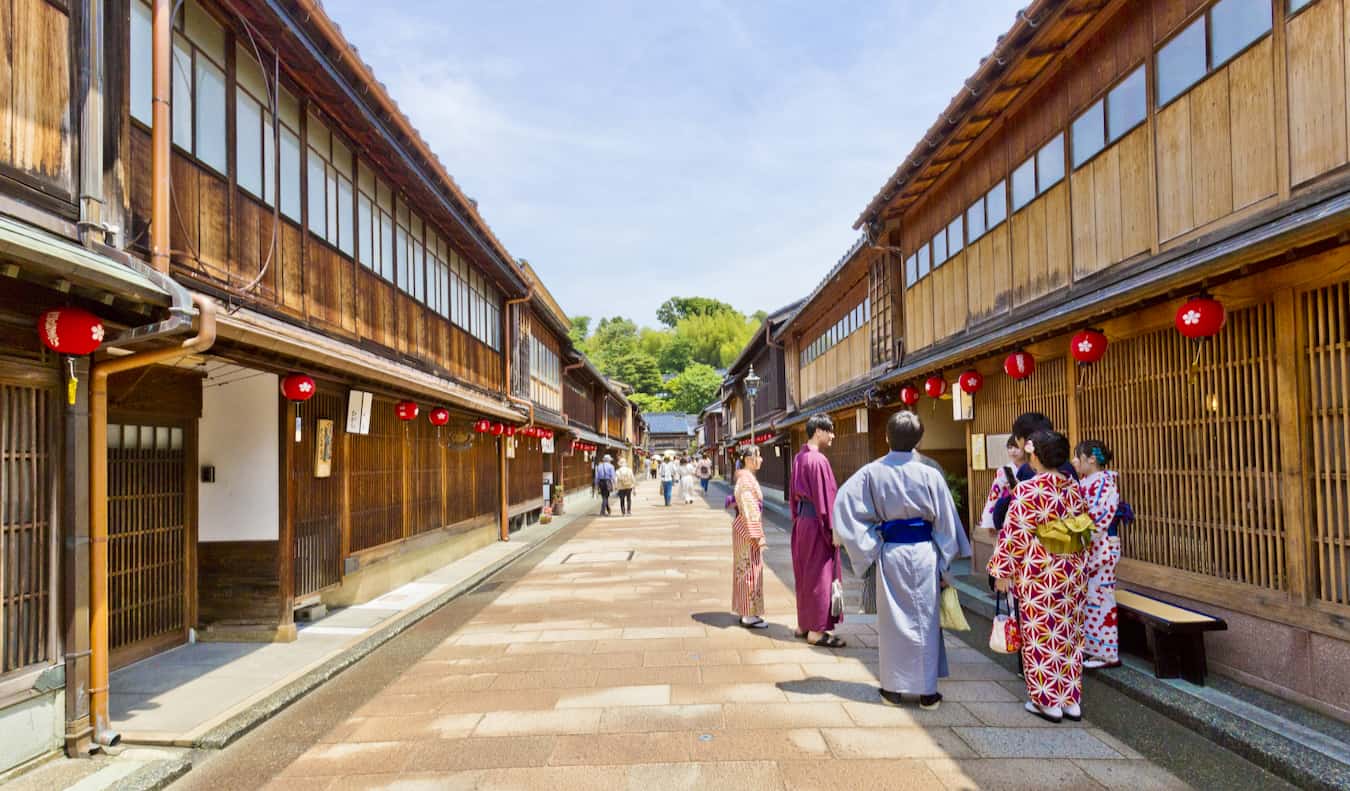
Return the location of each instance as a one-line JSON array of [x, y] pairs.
[[91, 125], [75, 565], [508, 349], [98, 503], [160, 136]]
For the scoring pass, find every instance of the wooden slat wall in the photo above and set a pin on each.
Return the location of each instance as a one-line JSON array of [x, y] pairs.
[[148, 536], [426, 506], [36, 140], [28, 479], [1317, 66], [471, 480], [377, 480], [1198, 458], [318, 501], [1111, 205], [526, 472], [577, 471], [1326, 316], [578, 401]]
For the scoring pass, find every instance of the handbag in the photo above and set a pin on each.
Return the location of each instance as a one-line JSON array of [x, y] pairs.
[[836, 590], [1067, 536], [1005, 637], [953, 618]]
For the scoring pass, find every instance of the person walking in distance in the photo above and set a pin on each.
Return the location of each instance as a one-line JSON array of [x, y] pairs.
[[624, 483], [604, 482], [898, 513], [704, 472], [748, 543], [668, 472], [815, 559]]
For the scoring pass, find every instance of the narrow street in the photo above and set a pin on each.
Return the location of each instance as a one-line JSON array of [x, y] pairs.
[[606, 659]]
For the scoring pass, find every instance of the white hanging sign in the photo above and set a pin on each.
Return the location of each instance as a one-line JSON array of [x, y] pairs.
[[358, 412]]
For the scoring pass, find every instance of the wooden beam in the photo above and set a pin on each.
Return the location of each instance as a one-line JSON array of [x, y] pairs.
[[1292, 409]]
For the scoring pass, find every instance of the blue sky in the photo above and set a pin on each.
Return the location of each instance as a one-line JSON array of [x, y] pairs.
[[634, 151]]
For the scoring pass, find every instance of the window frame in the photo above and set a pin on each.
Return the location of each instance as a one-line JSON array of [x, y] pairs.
[[1204, 18], [332, 175], [1103, 100]]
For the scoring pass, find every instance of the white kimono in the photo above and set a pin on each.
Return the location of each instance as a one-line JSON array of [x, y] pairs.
[[902, 486]]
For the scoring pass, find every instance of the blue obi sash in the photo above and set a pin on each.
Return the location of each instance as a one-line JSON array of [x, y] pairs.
[[906, 531]]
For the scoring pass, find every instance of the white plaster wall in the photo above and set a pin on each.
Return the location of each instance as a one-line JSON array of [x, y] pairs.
[[238, 434], [31, 729]]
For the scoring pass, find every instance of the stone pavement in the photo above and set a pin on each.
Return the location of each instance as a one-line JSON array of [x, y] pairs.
[[612, 663]]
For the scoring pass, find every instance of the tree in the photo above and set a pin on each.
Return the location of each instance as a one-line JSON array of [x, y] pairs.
[[676, 308], [581, 327], [716, 339], [632, 366], [694, 388], [675, 355], [648, 403]]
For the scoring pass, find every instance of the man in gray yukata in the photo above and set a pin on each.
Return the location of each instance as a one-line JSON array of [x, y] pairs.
[[898, 512]]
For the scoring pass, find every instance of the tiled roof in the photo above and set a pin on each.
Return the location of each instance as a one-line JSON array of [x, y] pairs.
[[670, 423]]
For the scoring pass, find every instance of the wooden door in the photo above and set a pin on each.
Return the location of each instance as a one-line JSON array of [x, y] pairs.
[[317, 547], [150, 536]]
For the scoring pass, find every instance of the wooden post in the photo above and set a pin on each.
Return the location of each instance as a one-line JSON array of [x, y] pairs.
[[1291, 401], [1071, 382], [286, 526], [345, 518]]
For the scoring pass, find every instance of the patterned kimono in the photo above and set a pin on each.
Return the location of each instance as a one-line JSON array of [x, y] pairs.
[[1050, 589], [747, 583], [996, 492], [1099, 615]]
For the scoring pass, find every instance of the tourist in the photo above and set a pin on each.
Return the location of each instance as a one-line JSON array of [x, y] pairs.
[[898, 512], [748, 543], [1005, 478], [624, 483], [1041, 556], [668, 472], [651, 467], [1023, 427], [687, 478], [815, 558], [704, 472], [604, 482], [1098, 487]]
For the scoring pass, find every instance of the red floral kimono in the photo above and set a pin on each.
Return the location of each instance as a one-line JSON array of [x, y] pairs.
[[1050, 589], [1103, 500], [747, 584]]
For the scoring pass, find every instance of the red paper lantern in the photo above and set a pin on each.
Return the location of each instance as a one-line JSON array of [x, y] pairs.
[[1019, 365], [971, 382], [1201, 317], [70, 330], [498, 429], [439, 416], [909, 395], [406, 410], [297, 387], [935, 386], [548, 433], [510, 431], [1088, 346], [482, 426]]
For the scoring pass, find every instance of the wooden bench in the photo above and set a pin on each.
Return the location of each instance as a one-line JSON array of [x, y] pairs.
[[1174, 637]]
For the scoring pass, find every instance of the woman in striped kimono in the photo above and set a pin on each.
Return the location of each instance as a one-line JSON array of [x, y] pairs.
[[747, 543], [1099, 489]]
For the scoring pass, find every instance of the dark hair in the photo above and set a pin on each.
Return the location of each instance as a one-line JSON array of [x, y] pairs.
[[747, 451], [1096, 450], [1051, 447], [903, 431], [1012, 441], [1029, 423], [818, 421]]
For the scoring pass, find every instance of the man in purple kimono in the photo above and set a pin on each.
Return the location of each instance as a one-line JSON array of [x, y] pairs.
[[815, 560]]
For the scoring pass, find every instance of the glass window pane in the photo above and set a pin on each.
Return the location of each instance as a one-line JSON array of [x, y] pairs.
[[248, 143], [1088, 133], [290, 174], [954, 240], [996, 205], [318, 202], [1024, 184], [939, 248], [401, 256], [1297, 5], [345, 241], [1126, 105], [212, 146], [1181, 62], [142, 63], [911, 270], [923, 261], [1050, 163], [269, 160], [181, 98], [1233, 24], [975, 219], [364, 229], [331, 178], [386, 246]]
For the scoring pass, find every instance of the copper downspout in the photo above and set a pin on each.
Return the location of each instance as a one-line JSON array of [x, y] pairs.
[[98, 503], [508, 348], [160, 136]]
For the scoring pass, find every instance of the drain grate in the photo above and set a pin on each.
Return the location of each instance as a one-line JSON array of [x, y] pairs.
[[600, 557]]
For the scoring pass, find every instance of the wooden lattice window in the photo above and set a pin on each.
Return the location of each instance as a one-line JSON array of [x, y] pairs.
[[27, 495], [377, 480], [318, 501], [879, 294], [1198, 455], [1326, 313], [425, 489]]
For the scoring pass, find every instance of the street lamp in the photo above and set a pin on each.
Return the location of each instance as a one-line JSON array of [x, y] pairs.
[[751, 388]]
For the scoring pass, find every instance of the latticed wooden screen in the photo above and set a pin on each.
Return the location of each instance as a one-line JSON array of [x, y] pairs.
[[1002, 400], [471, 479], [577, 471], [27, 488], [318, 501], [526, 472], [879, 280], [425, 488], [1326, 313], [1198, 456], [147, 534], [851, 448], [377, 480]]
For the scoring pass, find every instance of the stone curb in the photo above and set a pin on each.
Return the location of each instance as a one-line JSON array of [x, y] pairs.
[[227, 732], [154, 776], [1283, 757]]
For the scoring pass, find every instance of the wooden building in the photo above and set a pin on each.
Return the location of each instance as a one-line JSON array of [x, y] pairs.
[[757, 420], [1109, 161], [297, 223]]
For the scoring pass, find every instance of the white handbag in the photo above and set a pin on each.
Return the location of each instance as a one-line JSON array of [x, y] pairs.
[[836, 599], [1004, 637]]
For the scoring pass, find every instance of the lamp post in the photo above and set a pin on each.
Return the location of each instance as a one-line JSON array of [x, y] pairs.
[[752, 388]]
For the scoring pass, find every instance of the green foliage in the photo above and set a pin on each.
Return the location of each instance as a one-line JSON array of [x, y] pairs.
[[645, 402], [716, 339], [676, 355], [578, 332], [957, 484], [673, 310], [634, 367], [694, 388]]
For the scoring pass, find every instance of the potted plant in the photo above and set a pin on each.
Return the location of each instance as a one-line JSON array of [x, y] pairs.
[[557, 499]]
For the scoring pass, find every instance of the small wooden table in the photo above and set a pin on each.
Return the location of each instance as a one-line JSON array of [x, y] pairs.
[[1174, 637]]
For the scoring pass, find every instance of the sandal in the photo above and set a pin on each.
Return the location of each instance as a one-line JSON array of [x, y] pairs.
[[758, 623], [828, 641]]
